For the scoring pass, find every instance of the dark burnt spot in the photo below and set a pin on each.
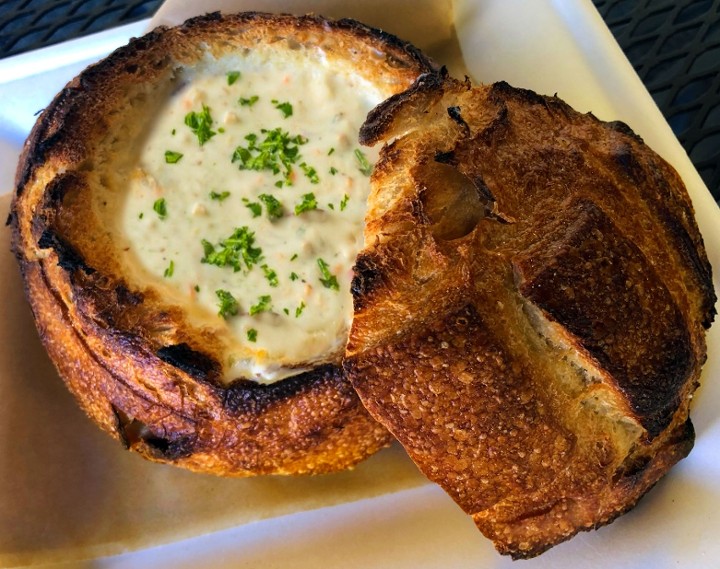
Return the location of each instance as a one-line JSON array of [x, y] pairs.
[[126, 297], [627, 162], [456, 115], [448, 158], [622, 128], [502, 90], [246, 397], [10, 219], [68, 258], [367, 276], [194, 363], [171, 448], [136, 435]]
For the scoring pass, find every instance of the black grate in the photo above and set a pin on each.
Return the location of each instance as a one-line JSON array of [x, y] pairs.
[[675, 48], [31, 24]]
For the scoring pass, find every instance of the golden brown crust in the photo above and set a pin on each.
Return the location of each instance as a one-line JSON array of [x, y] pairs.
[[137, 366], [530, 307]]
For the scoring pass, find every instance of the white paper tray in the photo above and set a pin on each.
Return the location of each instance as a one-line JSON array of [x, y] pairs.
[[552, 46]]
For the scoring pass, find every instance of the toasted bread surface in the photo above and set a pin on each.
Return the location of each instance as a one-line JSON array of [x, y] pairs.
[[530, 307], [140, 367]]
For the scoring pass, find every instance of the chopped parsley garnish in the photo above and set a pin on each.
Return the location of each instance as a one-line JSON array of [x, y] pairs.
[[295, 256], [271, 276], [331, 151], [344, 202], [233, 251], [299, 309], [286, 311], [197, 288], [263, 305], [228, 305], [294, 276], [252, 335], [232, 77], [308, 203], [173, 131], [160, 207], [363, 164], [310, 172], [273, 206], [170, 270], [219, 196], [331, 206], [248, 102], [326, 277], [254, 207], [200, 124], [277, 152], [285, 108], [333, 170], [141, 215], [172, 157]]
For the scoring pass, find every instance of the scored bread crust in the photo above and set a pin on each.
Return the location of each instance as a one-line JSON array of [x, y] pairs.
[[136, 364], [530, 307]]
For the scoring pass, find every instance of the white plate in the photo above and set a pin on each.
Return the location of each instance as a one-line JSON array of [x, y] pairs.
[[551, 46]]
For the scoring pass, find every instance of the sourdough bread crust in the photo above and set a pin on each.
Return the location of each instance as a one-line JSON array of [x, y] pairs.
[[530, 307], [137, 367]]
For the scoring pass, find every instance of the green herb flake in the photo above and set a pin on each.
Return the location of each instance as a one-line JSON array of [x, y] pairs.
[[331, 206], [299, 309], [200, 124], [219, 196], [285, 108], [173, 131], [263, 305], [333, 170], [331, 151], [310, 172], [236, 250], [273, 206], [308, 203], [277, 152], [271, 276], [252, 335], [286, 311], [228, 305], [295, 256], [141, 215], [344, 202], [160, 207], [170, 270], [363, 164], [232, 77], [254, 207], [172, 157], [326, 277], [197, 288], [294, 276], [248, 102]]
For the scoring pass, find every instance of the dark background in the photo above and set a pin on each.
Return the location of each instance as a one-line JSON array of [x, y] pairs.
[[674, 46]]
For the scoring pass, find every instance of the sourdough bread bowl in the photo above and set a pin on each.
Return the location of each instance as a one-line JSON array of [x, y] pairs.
[[180, 233], [530, 307]]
